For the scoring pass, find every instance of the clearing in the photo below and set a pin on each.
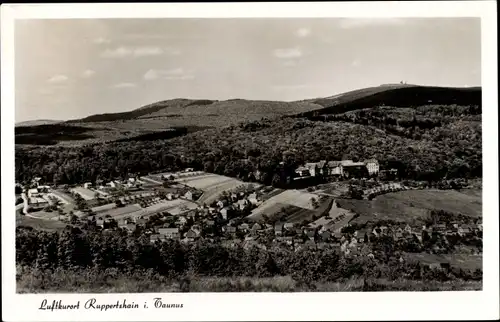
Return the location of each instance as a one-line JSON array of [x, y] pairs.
[[414, 204]]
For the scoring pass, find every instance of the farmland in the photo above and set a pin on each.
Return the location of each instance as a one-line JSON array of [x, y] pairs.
[[290, 197], [41, 224], [414, 205], [212, 185]]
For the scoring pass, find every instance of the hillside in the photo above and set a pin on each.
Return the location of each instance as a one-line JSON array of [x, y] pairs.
[[37, 122], [178, 117], [205, 113], [394, 95]]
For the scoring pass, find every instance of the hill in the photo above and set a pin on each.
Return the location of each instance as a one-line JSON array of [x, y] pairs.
[[37, 122], [188, 112], [414, 205], [178, 117], [394, 95]]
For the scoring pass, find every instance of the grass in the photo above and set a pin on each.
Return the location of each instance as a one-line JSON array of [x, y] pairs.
[[88, 282], [41, 224], [463, 261], [414, 204]]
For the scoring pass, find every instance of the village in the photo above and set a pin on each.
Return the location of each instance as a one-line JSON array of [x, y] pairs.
[[189, 206]]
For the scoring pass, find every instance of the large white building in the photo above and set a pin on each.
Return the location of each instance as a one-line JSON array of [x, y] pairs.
[[372, 166]]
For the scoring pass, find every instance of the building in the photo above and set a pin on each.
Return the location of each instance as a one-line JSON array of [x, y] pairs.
[[188, 195], [252, 198], [278, 229], [303, 172], [354, 169], [335, 168], [288, 226], [221, 203], [171, 233], [156, 237], [192, 234], [33, 193], [37, 203], [229, 229], [372, 166]]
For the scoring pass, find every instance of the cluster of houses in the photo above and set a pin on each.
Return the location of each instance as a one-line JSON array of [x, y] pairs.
[[339, 169]]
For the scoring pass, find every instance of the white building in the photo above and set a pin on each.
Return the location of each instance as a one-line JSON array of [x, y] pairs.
[[372, 166], [33, 193]]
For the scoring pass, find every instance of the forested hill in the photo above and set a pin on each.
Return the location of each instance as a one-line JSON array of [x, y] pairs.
[[400, 95], [234, 110]]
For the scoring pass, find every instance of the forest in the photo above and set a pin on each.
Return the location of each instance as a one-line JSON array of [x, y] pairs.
[[429, 143], [73, 250]]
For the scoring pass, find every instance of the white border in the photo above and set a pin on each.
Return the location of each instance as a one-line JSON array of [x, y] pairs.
[[267, 306]]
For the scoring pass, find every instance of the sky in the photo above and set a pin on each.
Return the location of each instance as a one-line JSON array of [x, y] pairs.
[[71, 68]]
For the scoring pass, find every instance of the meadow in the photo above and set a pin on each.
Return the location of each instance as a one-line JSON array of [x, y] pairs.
[[414, 205]]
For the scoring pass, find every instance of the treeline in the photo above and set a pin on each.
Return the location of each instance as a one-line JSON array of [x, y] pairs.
[[50, 134], [75, 249], [405, 96]]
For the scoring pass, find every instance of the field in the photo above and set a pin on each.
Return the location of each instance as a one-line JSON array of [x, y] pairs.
[[41, 224], [414, 205], [85, 193], [119, 212], [464, 261], [289, 197], [89, 282], [212, 185]]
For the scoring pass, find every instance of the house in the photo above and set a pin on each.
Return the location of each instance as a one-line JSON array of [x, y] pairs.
[[87, 185], [322, 168], [127, 226], [350, 168], [171, 233], [223, 212], [309, 244], [372, 166], [256, 227], [463, 230], [156, 237], [242, 204], [188, 195], [335, 168], [191, 214], [288, 226], [181, 220], [112, 184], [33, 193], [229, 229], [439, 228], [288, 240], [325, 235], [407, 229], [310, 233], [278, 229], [309, 169], [37, 203], [252, 198], [244, 227], [192, 234], [170, 196], [221, 203], [99, 223]]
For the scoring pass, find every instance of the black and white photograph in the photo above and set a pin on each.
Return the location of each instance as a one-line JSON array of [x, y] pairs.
[[247, 155]]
